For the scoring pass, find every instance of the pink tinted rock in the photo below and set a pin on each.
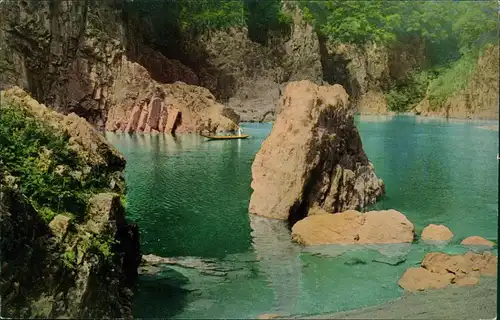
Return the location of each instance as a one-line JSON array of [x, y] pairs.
[[134, 119], [143, 118], [163, 118], [172, 120], [155, 113], [351, 227], [419, 279]]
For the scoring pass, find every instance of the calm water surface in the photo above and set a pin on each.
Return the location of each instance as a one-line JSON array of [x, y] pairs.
[[190, 198]]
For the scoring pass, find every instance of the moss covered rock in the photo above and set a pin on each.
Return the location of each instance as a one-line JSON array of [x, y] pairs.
[[62, 217]]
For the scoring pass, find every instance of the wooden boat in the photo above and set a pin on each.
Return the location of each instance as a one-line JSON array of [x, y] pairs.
[[242, 136]]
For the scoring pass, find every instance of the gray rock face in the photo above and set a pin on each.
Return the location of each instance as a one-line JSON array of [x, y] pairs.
[[313, 157]]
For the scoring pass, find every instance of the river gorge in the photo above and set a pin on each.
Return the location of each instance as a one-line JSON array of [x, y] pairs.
[[249, 159], [192, 201]]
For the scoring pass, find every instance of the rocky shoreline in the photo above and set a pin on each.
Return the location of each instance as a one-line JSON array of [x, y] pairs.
[[472, 302]]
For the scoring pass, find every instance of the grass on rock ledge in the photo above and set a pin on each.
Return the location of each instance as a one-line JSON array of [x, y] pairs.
[[47, 171]]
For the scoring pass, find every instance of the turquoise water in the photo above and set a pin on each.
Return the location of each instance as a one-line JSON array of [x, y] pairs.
[[190, 198]]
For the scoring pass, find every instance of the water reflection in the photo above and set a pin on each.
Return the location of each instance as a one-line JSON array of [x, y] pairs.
[[278, 259], [190, 198], [373, 118]]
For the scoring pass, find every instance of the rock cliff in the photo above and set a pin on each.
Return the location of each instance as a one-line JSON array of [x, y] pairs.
[[84, 57], [250, 76], [313, 157], [367, 71], [478, 100], [67, 249]]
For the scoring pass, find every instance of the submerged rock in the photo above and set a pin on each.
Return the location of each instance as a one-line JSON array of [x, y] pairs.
[[477, 241], [312, 157], [353, 227], [439, 270], [436, 233]]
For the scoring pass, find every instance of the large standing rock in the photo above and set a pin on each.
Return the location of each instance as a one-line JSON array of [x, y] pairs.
[[351, 227], [313, 156]]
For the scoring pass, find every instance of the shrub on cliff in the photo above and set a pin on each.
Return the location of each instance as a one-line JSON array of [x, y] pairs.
[[49, 172], [404, 95]]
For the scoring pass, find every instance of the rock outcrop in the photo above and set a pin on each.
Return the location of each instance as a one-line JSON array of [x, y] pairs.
[[312, 157], [439, 270], [84, 57], [367, 71], [477, 241], [76, 262], [353, 227], [478, 100], [250, 76], [437, 233]]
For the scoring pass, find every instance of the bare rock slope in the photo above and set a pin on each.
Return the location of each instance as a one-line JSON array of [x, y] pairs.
[[312, 157]]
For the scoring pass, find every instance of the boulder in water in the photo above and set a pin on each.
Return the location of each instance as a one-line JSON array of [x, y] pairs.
[[312, 157], [477, 241], [353, 227], [436, 233], [439, 270]]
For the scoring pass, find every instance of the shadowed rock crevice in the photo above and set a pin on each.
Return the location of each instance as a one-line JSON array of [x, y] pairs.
[[335, 69]]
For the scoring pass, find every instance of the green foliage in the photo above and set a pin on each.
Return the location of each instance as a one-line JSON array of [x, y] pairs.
[[405, 95], [204, 15], [123, 200], [46, 214], [69, 259], [102, 246], [359, 22], [265, 16], [98, 244], [451, 80], [40, 157], [457, 24]]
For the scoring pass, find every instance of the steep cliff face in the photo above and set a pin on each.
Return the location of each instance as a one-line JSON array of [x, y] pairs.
[[367, 71], [77, 57], [478, 100], [249, 76], [111, 65], [67, 249]]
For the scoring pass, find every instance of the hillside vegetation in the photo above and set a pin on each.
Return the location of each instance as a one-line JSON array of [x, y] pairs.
[[455, 33]]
